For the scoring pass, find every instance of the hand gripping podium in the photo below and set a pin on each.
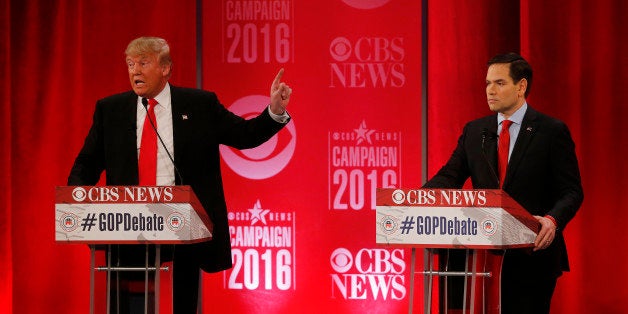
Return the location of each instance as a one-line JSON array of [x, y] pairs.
[[102, 216], [482, 223]]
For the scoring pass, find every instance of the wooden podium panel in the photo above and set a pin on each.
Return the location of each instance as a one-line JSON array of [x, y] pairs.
[[482, 222], [104, 216], [445, 218], [130, 214]]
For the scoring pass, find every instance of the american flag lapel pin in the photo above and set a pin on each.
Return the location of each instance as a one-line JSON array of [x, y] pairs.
[[529, 129]]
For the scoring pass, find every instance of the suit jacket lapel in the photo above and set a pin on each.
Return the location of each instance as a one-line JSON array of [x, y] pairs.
[[490, 146], [127, 145], [179, 120], [526, 132]]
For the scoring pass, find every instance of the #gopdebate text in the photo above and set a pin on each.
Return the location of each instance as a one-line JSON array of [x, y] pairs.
[[129, 222], [433, 225]]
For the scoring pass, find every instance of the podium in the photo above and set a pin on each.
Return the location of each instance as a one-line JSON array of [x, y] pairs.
[[102, 216], [482, 223]]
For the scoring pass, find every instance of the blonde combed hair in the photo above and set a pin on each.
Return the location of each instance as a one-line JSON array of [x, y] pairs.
[[150, 45]]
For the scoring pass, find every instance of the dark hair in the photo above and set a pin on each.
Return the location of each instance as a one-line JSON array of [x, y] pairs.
[[519, 67]]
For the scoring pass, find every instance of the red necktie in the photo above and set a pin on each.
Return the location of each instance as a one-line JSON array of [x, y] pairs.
[[148, 148], [502, 151]]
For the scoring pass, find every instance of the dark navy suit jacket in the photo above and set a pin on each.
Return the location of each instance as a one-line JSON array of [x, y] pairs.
[[111, 146], [542, 175]]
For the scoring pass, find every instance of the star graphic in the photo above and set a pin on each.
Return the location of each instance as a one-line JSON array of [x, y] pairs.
[[257, 213], [363, 133]]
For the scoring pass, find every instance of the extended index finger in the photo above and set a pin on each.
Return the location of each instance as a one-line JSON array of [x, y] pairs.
[[278, 77]]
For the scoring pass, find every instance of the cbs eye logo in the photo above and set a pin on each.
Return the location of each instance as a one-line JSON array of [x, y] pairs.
[[268, 159], [398, 197], [341, 260], [79, 194], [340, 49]]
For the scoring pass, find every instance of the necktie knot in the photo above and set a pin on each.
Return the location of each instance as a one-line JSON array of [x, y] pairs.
[[152, 102], [505, 124]]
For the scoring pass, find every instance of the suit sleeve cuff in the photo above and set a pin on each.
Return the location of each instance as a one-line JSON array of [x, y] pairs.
[[553, 220], [281, 118]]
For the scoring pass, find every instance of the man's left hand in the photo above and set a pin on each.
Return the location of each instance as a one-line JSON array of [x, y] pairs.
[[546, 234], [279, 95]]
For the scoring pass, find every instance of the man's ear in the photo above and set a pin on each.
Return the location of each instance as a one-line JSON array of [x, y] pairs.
[[166, 70], [523, 86]]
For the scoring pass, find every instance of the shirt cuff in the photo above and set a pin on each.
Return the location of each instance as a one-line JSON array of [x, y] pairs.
[[552, 219], [281, 118]]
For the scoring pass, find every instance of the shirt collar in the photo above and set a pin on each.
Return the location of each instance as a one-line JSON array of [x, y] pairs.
[[516, 117], [163, 98]]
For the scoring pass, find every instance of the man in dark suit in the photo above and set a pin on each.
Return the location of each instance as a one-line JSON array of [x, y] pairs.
[[192, 124], [541, 174]]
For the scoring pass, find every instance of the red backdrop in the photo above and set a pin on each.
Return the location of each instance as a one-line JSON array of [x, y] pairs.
[[361, 75], [574, 48], [59, 57]]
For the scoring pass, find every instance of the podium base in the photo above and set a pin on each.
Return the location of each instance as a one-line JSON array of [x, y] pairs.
[[131, 281]]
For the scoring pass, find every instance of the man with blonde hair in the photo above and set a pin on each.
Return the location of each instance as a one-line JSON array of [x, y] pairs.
[[182, 148]]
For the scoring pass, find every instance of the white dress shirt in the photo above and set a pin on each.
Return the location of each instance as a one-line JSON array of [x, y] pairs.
[[163, 114], [515, 127]]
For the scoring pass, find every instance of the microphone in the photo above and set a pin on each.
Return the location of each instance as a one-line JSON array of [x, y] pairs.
[[492, 136], [486, 134], [145, 103]]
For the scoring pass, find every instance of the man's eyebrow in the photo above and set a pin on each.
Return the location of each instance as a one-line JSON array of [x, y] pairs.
[[142, 58]]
